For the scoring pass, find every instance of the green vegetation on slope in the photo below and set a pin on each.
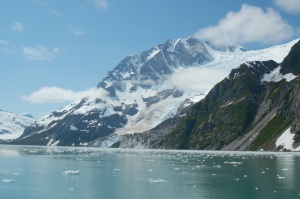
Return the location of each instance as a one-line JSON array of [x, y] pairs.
[[276, 126]]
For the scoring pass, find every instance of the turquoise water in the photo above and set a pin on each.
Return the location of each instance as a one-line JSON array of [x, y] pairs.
[[37, 172]]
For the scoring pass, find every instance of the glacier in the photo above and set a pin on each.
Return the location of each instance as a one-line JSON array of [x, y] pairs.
[[12, 125]]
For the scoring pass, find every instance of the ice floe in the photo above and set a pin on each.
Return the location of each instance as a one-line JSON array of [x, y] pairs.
[[158, 180], [71, 172], [7, 180], [233, 163]]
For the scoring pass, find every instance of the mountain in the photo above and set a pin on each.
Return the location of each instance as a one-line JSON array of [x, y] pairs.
[[256, 107], [143, 91], [12, 125]]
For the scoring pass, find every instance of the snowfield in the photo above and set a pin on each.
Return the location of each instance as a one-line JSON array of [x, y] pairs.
[[12, 125]]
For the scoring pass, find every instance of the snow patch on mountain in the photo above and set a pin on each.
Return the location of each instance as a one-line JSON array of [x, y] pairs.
[[276, 76], [286, 141]]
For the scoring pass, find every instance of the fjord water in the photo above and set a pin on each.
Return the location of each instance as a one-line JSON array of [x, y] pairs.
[[37, 172]]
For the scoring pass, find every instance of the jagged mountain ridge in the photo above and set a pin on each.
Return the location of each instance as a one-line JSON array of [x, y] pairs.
[[138, 94], [255, 108], [12, 125]]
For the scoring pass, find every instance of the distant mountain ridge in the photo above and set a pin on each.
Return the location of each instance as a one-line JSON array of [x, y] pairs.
[[138, 94], [12, 125]]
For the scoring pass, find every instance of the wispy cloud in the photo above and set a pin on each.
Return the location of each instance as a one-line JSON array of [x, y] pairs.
[[79, 32], [17, 26], [292, 6], [250, 24], [58, 95], [40, 53], [103, 4], [42, 2], [55, 12], [47, 5], [197, 78], [6, 47]]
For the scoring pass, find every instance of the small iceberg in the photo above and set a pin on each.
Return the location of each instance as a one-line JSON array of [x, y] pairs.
[[71, 172], [233, 163], [280, 177], [158, 180], [7, 180]]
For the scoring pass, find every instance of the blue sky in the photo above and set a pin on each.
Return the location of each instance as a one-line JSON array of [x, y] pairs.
[[64, 48]]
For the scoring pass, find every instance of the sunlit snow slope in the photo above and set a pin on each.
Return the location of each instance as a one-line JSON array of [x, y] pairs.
[[12, 125]]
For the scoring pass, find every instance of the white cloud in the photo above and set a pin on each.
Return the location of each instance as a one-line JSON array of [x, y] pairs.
[[40, 53], [56, 12], [250, 24], [103, 4], [79, 32], [6, 47], [197, 78], [292, 6], [4, 42], [58, 95], [17, 26]]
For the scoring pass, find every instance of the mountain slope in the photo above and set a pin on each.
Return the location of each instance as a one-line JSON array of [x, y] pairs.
[[144, 90], [256, 107], [12, 125]]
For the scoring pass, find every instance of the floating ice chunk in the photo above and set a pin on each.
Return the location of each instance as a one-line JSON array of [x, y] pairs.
[[158, 180], [245, 176], [234, 163], [7, 180], [71, 189], [280, 177], [150, 170], [285, 169], [256, 188], [71, 172]]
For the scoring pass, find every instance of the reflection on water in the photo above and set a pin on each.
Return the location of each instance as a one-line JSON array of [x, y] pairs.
[[36, 172]]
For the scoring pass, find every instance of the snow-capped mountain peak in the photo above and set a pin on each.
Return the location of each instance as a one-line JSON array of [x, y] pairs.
[[145, 89]]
